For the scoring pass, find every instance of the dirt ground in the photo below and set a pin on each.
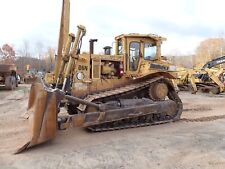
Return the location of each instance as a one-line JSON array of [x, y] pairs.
[[185, 144]]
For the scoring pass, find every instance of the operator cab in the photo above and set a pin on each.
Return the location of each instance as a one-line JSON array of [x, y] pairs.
[[137, 48]]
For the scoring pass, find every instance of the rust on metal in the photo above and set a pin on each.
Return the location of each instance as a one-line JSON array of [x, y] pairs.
[[42, 116]]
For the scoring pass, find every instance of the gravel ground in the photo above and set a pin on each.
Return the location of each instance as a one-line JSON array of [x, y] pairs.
[[184, 144]]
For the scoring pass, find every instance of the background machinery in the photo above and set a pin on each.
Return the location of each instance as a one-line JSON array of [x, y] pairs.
[[207, 79], [8, 76], [131, 88]]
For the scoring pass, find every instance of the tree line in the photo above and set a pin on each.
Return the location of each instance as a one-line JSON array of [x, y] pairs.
[[207, 50], [44, 61]]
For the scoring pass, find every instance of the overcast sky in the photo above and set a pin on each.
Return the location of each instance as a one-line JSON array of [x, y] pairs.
[[183, 22]]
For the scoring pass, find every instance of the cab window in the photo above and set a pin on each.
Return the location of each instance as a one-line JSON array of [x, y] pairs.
[[149, 51], [134, 55], [120, 47]]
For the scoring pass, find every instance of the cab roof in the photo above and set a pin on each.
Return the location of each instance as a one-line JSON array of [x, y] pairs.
[[138, 35]]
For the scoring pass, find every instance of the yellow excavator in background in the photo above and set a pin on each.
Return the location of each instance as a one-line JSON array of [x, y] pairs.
[[207, 79], [131, 88]]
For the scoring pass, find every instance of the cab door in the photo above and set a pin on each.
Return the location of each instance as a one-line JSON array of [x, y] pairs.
[[134, 55]]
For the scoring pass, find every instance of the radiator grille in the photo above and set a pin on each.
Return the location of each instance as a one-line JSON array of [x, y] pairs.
[[96, 65]]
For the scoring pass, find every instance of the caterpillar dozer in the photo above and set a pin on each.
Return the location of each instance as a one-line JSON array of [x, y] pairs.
[[131, 88]]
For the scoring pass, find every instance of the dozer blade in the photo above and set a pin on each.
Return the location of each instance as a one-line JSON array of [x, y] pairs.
[[42, 108]]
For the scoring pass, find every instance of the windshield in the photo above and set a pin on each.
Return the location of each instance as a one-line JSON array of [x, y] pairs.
[[150, 51]]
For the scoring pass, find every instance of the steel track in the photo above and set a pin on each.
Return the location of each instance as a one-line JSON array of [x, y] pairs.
[[140, 121]]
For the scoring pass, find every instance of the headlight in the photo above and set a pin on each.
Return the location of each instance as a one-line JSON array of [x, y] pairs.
[[80, 76]]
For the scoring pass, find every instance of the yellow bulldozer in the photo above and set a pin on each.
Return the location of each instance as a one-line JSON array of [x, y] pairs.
[[131, 88]]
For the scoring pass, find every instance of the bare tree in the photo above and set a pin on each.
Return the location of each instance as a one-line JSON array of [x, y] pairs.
[[25, 50], [49, 59], [39, 50], [25, 56]]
